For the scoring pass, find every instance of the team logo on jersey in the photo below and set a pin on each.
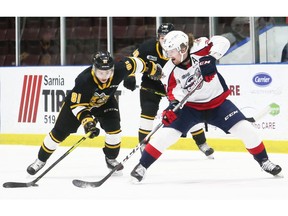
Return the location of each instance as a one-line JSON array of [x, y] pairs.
[[98, 100], [192, 79]]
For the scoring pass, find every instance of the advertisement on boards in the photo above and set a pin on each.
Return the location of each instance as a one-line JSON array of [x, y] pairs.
[[31, 98]]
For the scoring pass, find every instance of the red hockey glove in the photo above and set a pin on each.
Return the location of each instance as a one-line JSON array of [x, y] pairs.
[[90, 126], [168, 115], [208, 67], [154, 70]]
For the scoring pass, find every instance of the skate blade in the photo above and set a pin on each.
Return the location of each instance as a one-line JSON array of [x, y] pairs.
[[117, 173], [279, 175], [211, 157], [135, 181]]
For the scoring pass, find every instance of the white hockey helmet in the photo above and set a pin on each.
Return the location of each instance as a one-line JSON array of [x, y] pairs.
[[175, 40]]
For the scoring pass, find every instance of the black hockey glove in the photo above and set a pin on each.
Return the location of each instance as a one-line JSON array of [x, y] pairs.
[[208, 67], [168, 115], [90, 126], [154, 70], [130, 82]]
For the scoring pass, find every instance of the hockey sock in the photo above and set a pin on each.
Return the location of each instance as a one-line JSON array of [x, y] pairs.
[[142, 134], [259, 153], [110, 151], [44, 153], [199, 136], [149, 156]]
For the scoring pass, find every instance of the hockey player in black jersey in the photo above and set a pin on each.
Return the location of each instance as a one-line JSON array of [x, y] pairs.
[[152, 91], [90, 101]]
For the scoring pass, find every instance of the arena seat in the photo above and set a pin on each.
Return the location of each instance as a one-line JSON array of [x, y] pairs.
[[32, 59], [31, 34]]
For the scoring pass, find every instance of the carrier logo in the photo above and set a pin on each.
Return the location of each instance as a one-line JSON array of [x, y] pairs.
[[262, 79], [30, 98]]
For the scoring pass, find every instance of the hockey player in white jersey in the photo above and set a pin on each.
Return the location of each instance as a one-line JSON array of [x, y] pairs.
[[190, 59]]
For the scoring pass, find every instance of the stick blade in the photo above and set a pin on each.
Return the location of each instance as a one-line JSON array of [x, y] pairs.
[[84, 184], [18, 184], [251, 119]]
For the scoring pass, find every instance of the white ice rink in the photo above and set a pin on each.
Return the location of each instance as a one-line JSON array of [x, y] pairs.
[[179, 183]]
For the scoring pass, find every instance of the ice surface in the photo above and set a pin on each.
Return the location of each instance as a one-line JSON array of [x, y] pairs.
[[179, 183]]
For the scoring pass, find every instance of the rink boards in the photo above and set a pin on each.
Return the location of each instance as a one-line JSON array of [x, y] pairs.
[[31, 98]]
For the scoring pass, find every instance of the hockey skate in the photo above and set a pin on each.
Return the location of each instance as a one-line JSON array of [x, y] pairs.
[[138, 173], [35, 167], [207, 150], [112, 163], [271, 168]]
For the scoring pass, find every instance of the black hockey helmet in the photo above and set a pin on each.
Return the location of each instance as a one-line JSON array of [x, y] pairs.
[[102, 60], [165, 28]]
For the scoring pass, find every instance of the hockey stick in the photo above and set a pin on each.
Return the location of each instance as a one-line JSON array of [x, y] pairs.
[[85, 184], [265, 111], [33, 183]]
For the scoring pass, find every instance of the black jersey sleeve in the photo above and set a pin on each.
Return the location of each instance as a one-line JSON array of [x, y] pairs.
[[130, 65], [81, 94]]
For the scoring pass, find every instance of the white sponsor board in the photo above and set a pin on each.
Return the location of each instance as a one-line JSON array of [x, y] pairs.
[[31, 98], [256, 87]]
